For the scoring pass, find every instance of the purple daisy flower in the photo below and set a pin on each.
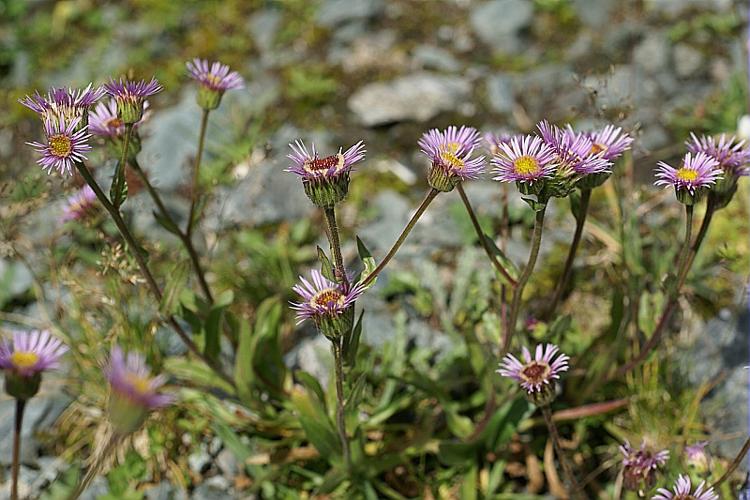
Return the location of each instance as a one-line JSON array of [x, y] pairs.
[[610, 142], [130, 379], [731, 154], [683, 490], [450, 152], [130, 96], [525, 159], [79, 205], [216, 76], [31, 353], [575, 151], [640, 465], [697, 172], [327, 303], [64, 104], [536, 375], [105, 122], [696, 456], [64, 145]]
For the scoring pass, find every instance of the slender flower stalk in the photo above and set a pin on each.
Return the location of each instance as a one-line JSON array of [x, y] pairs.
[[195, 192], [570, 478], [119, 187], [536, 240], [431, 194], [337, 348], [17, 428], [335, 242]]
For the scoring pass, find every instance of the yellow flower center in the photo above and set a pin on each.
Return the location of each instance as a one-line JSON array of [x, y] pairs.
[[536, 372], [526, 165], [113, 123], [452, 159], [327, 296], [23, 359], [687, 174], [60, 145], [597, 148], [141, 385], [213, 80]]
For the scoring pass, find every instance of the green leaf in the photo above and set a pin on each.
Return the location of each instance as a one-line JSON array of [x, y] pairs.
[[507, 264], [176, 282], [118, 191], [167, 223], [457, 452], [575, 203], [212, 332], [367, 260], [314, 419], [355, 395], [197, 373], [536, 206], [326, 268], [469, 485], [351, 342], [311, 384]]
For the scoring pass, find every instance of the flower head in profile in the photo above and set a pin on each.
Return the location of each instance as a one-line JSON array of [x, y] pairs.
[[734, 161], [536, 375], [130, 97], [105, 122], [640, 465], [214, 79], [683, 490], [327, 303], [610, 142], [133, 390], [450, 153], [79, 205], [26, 358], [575, 152], [494, 140], [526, 160], [326, 180], [697, 174], [63, 147], [64, 104]]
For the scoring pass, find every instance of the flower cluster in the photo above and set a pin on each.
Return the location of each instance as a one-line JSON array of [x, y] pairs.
[[640, 465], [683, 490], [328, 304], [61, 104], [214, 79], [536, 375], [450, 152], [26, 358]]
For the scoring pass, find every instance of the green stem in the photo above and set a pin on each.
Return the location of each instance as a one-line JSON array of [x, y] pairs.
[[570, 478], [536, 240], [482, 237], [568, 269], [402, 237], [674, 293], [335, 242], [119, 180], [145, 271], [340, 420], [735, 463], [196, 174], [688, 236], [186, 242], [20, 406]]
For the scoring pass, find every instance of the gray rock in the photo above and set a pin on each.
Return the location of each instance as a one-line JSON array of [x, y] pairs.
[[334, 12], [595, 13], [199, 460], [419, 97], [687, 60], [393, 212], [498, 22], [431, 57], [164, 491], [675, 8], [98, 488], [227, 463], [500, 93], [263, 26], [313, 355], [652, 54], [15, 277]]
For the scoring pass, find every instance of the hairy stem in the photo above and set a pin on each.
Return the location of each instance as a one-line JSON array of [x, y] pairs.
[[402, 237], [480, 234], [536, 240], [570, 478], [674, 293], [340, 421], [145, 270], [735, 463], [20, 406], [186, 241], [568, 269], [334, 240], [196, 174]]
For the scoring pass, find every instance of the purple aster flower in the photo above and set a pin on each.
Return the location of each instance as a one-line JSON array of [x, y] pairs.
[[105, 122], [64, 145], [215, 76], [696, 456], [31, 353], [130, 378], [524, 159], [79, 205], [130, 97], [731, 154], [697, 173], [214, 79], [536, 375], [639, 466], [450, 152], [327, 303], [326, 180], [575, 151], [683, 490], [610, 142], [64, 104]]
